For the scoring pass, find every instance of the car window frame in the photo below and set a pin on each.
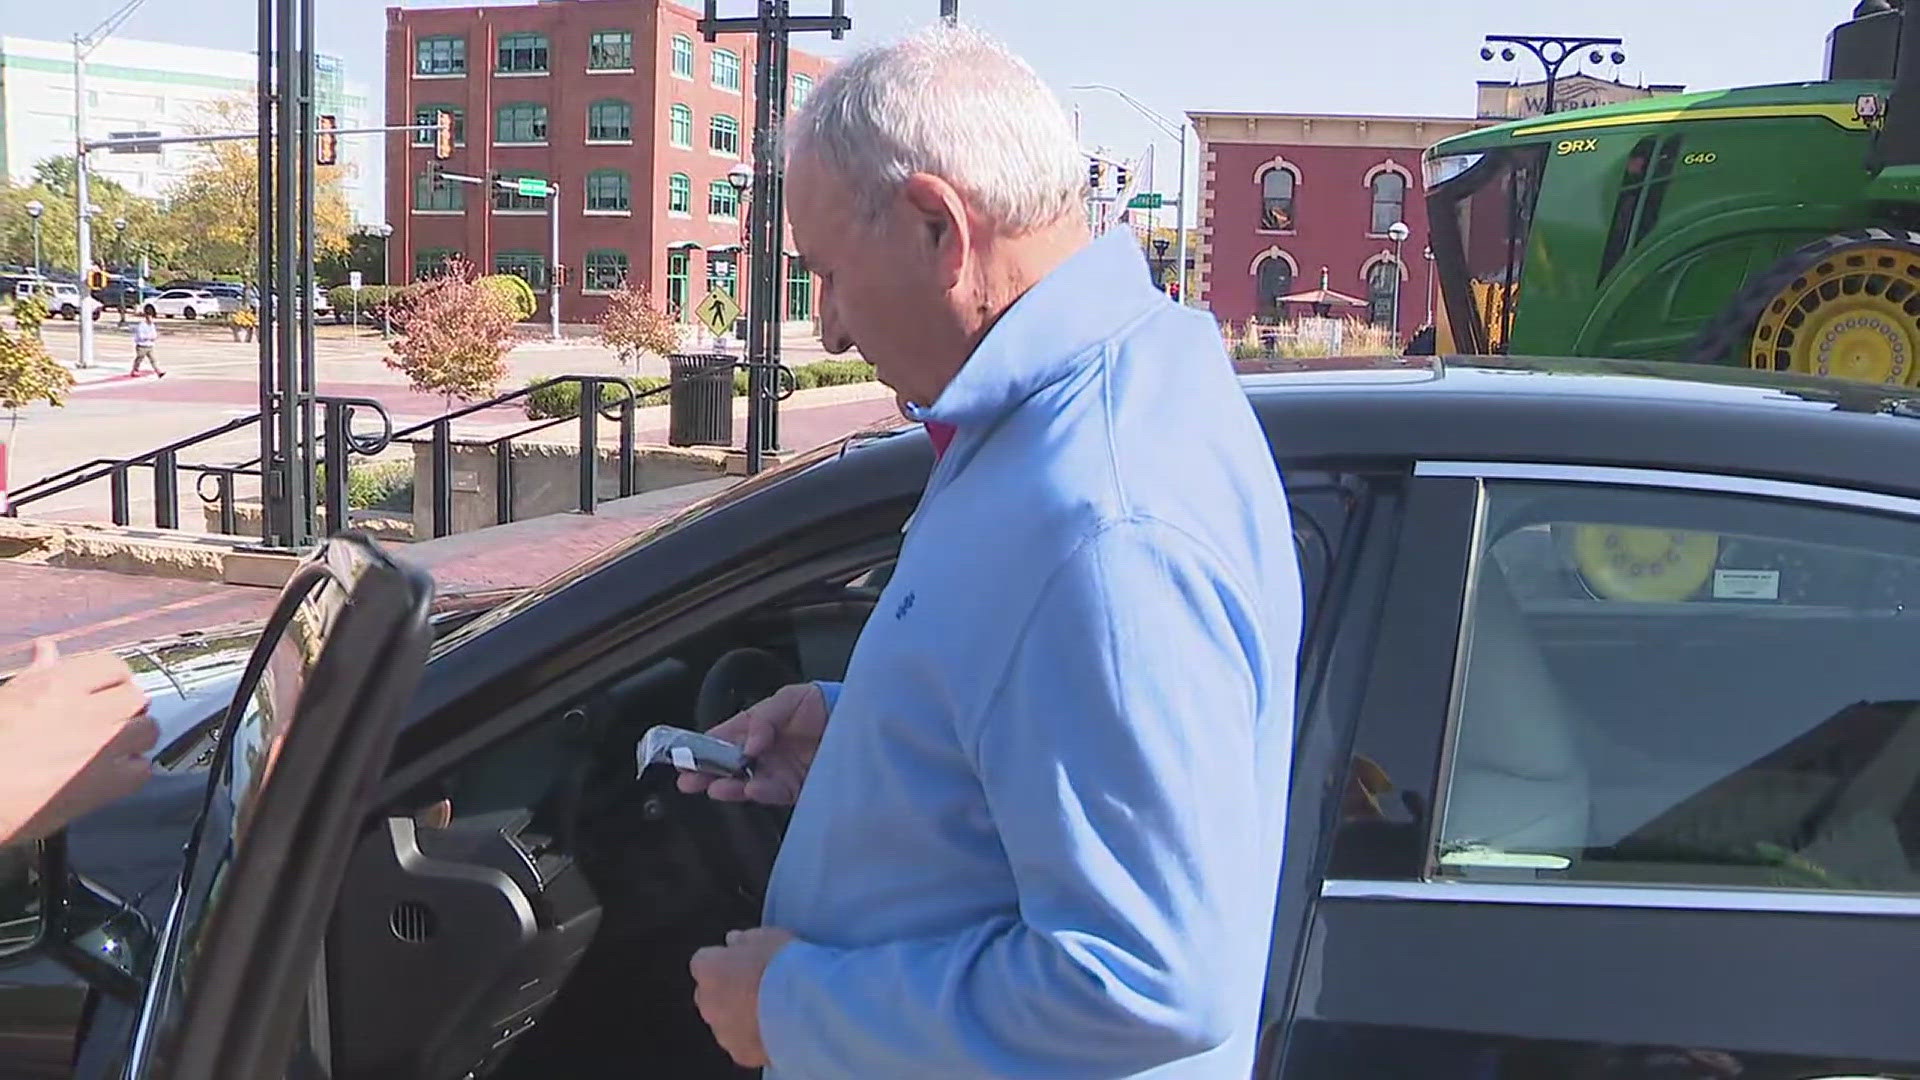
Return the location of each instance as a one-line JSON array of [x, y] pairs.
[[1469, 479]]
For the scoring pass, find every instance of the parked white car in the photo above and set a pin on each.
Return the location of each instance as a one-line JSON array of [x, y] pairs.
[[63, 298], [187, 304]]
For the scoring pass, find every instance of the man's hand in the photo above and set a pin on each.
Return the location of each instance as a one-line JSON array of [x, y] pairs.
[[73, 737], [726, 987], [781, 735]]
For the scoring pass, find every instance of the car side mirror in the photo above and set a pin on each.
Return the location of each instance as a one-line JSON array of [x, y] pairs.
[[46, 909]]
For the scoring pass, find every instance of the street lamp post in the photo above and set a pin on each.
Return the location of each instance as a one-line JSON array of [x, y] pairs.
[[385, 232], [740, 178], [1428, 253], [1398, 233], [1178, 131], [34, 210], [1552, 51], [120, 256]]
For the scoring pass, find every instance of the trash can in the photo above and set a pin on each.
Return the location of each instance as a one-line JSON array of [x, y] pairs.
[[700, 399]]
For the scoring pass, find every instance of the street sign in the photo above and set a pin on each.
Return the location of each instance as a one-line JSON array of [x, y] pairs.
[[354, 278], [531, 187], [716, 311], [1146, 201], [127, 142]]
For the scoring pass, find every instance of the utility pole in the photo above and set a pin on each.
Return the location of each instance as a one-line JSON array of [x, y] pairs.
[[772, 26], [950, 10]]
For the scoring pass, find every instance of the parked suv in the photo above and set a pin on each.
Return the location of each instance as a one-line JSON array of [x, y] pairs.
[[63, 298]]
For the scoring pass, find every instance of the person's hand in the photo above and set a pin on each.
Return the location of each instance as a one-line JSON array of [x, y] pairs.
[[74, 735], [726, 987], [780, 735]]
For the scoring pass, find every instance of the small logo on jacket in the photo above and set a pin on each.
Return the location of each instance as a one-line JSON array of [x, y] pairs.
[[906, 605]]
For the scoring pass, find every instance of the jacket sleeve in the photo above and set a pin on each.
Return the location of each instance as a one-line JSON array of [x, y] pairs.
[[1117, 757], [829, 691]]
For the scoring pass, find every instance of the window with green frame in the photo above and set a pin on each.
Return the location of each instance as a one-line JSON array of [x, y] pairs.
[[722, 200], [431, 262], [680, 127], [723, 135], [429, 114], [610, 50], [508, 199], [726, 69], [610, 120], [531, 266], [445, 196], [678, 280], [609, 191], [799, 289], [683, 56], [802, 90], [520, 122], [679, 194], [520, 53], [441, 55], [606, 271]]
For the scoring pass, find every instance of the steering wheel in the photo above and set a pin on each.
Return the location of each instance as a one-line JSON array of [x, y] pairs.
[[738, 679]]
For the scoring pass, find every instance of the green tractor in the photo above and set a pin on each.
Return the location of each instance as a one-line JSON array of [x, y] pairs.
[[1776, 227]]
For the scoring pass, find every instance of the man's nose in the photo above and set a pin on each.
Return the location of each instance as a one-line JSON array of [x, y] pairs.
[[833, 337]]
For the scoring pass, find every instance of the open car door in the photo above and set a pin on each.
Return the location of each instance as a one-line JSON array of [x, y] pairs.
[[309, 732]]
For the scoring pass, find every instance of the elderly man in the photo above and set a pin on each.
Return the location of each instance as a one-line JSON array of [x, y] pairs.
[[1038, 830]]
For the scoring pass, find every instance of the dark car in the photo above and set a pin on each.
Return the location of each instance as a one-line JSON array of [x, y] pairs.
[[1606, 765]]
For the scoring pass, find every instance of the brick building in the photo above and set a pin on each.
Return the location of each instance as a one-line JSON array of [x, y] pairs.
[[1286, 196], [622, 105]]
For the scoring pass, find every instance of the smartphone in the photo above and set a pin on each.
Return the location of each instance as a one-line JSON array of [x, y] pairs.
[[691, 751]]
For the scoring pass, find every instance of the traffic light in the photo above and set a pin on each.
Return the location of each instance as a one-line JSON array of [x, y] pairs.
[[96, 279], [442, 135], [434, 180], [1094, 172], [559, 273], [1120, 177], [325, 148]]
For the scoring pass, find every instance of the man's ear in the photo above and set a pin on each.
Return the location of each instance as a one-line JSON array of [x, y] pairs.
[[941, 217]]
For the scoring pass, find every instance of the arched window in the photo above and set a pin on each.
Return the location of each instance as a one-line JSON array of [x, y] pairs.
[[520, 122], [1383, 282], [682, 56], [1389, 201], [723, 135], [610, 121], [609, 191], [1273, 280], [1276, 200]]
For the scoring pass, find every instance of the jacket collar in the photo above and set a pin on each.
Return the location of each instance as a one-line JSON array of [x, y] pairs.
[[1049, 333]]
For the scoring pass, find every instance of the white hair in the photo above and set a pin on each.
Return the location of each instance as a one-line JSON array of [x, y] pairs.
[[951, 102]]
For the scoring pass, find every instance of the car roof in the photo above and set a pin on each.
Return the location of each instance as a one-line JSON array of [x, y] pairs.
[[1626, 413]]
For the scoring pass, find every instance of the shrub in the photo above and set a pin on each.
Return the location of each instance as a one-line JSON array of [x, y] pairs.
[[374, 301], [456, 339], [373, 485], [563, 399], [28, 373], [512, 291], [632, 327], [28, 314]]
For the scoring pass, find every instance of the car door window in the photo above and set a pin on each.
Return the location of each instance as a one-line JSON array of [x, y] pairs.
[[1686, 688]]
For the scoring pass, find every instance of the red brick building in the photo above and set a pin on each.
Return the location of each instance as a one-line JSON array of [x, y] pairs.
[[1284, 197], [622, 105]]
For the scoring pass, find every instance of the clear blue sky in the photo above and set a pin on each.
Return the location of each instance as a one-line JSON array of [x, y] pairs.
[[1413, 56]]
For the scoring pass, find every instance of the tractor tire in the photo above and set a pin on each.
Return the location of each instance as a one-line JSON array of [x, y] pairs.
[[1865, 282]]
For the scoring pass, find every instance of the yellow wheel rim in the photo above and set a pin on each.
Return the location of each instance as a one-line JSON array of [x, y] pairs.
[[1855, 315], [1647, 565]]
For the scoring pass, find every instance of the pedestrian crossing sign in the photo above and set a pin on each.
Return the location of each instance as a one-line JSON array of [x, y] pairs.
[[717, 311]]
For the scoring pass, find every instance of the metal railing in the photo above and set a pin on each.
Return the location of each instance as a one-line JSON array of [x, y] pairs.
[[338, 443]]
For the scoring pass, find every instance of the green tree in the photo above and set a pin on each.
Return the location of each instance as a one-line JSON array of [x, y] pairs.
[[214, 208], [53, 187], [365, 252], [28, 373]]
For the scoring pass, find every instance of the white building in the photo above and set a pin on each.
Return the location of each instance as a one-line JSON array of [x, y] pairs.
[[149, 86]]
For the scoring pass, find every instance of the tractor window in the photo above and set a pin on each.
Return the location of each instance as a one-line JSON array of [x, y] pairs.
[[1643, 186], [1481, 222]]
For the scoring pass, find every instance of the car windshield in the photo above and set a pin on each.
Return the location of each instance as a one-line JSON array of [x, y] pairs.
[[1482, 219]]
